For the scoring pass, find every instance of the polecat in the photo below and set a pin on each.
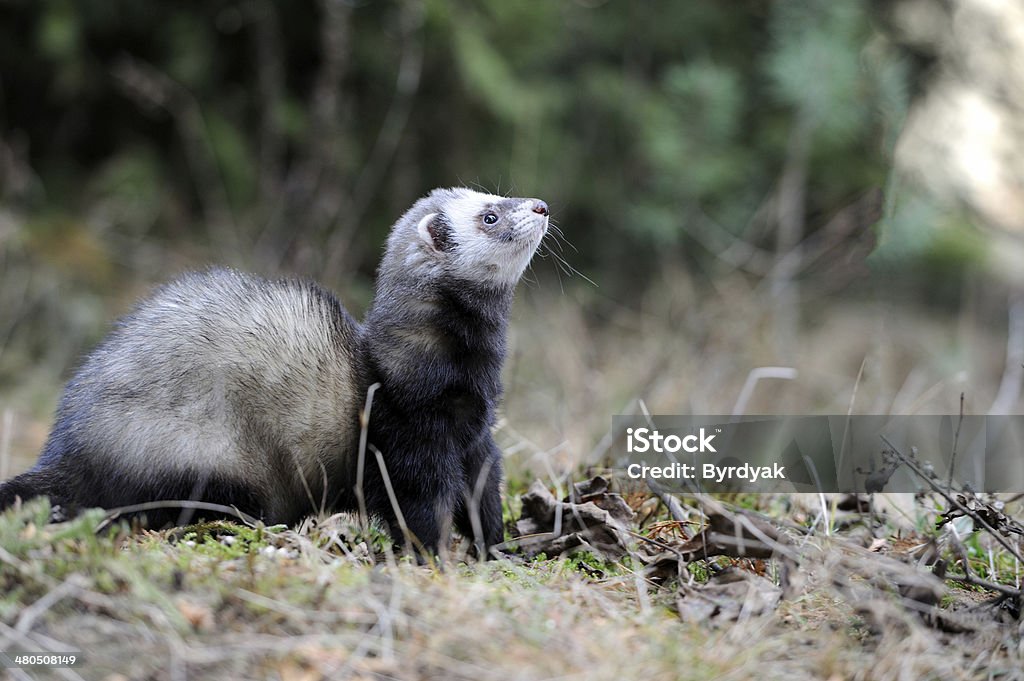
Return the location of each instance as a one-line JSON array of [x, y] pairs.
[[229, 388]]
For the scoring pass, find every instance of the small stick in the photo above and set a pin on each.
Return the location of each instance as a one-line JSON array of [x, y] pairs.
[[671, 503], [473, 501], [364, 426], [985, 584], [114, 513], [970, 578], [956, 441], [410, 538], [952, 501], [655, 542]]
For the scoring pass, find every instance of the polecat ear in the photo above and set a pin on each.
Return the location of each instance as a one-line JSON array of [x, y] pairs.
[[423, 229], [436, 232]]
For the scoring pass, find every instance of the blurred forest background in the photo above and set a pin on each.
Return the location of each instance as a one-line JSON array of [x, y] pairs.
[[820, 195]]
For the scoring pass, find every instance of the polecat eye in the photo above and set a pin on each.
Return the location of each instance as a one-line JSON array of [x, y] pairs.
[[490, 219]]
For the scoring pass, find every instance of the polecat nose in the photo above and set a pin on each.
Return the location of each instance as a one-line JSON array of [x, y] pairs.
[[540, 207]]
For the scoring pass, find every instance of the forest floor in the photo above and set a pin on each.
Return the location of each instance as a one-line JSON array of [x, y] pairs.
[[815, 589], [225, 600]]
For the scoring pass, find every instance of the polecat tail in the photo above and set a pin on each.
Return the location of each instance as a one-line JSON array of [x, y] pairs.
[[33, 483]]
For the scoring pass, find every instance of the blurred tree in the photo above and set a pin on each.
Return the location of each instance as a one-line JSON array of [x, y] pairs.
[[288, 136], [262, 120]]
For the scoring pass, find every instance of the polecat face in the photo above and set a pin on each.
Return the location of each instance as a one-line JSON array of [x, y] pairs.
[[483, 237]]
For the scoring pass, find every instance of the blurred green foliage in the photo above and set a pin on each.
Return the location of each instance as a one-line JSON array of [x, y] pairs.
[[239, 125], [139, 137]]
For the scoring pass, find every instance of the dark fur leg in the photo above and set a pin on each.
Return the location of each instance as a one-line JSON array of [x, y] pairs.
[[425, 506], [479, 513], [423, 520]]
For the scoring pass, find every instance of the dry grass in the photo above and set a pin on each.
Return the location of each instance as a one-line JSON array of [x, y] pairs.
[[321, 602], [578, 357], [231, 602]]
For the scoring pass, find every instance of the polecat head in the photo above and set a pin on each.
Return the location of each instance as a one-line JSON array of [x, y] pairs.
[[469, 236]]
